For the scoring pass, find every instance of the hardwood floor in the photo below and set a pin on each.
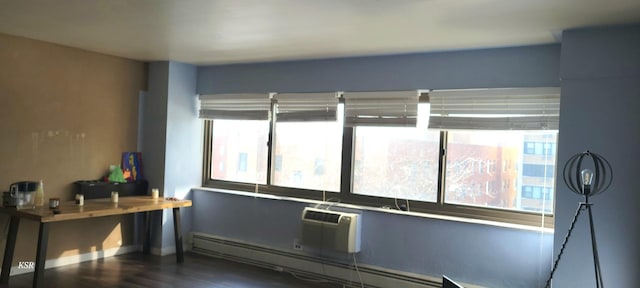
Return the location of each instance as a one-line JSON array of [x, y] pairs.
[[136, 270]]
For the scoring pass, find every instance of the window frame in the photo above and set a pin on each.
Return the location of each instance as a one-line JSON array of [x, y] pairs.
[[528, 218]]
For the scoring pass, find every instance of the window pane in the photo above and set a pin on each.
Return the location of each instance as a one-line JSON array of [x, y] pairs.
[[239, 150], [531, 169], [396, 163], [308, 155]]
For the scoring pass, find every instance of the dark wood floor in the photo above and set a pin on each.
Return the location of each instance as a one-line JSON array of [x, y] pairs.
[[137, 270]]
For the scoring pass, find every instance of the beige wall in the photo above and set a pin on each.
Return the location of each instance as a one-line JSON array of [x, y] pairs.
[[66, 114]]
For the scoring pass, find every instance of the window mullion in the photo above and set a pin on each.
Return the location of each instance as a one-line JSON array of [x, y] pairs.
[[346, 176], [442, 160], [270, 145], [208, 146]]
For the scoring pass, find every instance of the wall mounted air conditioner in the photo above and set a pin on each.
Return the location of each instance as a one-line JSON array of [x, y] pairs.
[[331, 230]]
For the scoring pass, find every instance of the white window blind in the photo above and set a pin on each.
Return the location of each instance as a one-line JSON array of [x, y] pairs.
[[383, 108], [495, 109], [294, 107], [235, 106]]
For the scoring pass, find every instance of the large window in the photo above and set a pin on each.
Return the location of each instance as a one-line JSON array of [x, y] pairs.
[[471, 180], [239, 151], [308, 155], [396, 163], [308, 141], [487, 156], [238, 142]]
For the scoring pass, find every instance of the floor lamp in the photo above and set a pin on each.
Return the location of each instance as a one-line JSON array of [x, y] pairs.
[[585, 182]]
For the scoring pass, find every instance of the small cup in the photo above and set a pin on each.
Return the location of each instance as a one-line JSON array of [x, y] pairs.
[[54, 203], [114, 197], [79, 199], [155, 193]]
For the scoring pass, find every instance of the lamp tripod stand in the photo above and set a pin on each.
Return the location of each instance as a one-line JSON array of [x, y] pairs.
[[587, 183]]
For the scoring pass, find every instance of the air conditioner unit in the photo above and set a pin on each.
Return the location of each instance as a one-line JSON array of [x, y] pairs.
[[331, 230]]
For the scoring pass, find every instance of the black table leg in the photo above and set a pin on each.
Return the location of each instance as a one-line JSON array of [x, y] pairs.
[[146, 242], [41, 255], [9, 249], [178, 235]]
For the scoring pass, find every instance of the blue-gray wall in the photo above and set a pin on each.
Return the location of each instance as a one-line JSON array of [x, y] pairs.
[[154, 132], [480, 254], [532, 66], [474, 253], [183, 154], [154, 123], [172, 141], [599, 112]]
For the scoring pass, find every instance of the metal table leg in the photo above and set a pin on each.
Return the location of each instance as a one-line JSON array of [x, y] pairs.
[[178, 235], [146, 242], [41, 255], [9, 249]]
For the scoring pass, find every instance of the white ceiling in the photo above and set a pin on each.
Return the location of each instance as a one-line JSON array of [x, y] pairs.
[[237, 31]]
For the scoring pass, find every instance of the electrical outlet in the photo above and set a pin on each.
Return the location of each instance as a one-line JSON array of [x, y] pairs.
[[297, 245]]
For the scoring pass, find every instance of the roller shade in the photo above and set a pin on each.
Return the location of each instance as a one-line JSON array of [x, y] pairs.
[[235, 106], [495, 109], [382, 108], [294, 107]]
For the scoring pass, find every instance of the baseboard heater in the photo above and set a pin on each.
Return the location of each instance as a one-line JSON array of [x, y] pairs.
[[308, 266]]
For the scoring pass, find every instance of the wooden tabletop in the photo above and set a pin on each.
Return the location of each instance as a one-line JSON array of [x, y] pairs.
[[96, 208]]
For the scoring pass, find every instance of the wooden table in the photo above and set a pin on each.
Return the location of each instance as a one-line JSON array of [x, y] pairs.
[[92, 208]]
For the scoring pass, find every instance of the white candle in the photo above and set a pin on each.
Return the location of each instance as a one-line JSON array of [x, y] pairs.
[[114, 197], [155, 193]]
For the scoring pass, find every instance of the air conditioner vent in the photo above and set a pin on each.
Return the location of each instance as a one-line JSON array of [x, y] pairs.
[[322, 216], [333, 230]]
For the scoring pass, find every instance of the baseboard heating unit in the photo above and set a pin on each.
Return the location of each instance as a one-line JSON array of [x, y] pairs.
[[308, 266]]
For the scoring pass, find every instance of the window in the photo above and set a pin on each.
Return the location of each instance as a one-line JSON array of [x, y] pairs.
[[491, 147], [530, 148], [491, 166], [549, 149], [239, 136], [396, 163], [540, 148], [310, 155], [548, 195], [308, 140], [506, 165], [244, 156], [487, 160], [537, 192]]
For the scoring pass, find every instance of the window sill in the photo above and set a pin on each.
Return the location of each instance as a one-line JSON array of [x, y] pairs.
[[541, 229]]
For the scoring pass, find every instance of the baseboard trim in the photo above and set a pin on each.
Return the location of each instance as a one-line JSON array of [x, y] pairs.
[[307, 265], [74, 259]]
